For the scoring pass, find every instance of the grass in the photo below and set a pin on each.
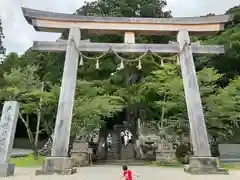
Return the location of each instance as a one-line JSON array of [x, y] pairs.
[[27, 161], [230, 166]]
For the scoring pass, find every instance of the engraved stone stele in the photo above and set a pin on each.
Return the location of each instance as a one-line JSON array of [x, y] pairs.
[[8, 125]]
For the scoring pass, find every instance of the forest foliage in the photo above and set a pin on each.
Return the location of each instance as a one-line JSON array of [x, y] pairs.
[[102, 94]]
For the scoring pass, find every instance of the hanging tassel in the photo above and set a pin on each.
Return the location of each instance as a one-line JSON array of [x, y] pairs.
[[139, 66], [178, 60], [121, 66], [162, 63], [81, 61], [97, 64]]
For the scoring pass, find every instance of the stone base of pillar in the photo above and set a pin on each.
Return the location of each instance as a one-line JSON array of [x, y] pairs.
[[58, 165], [7, 169], [204, 165]]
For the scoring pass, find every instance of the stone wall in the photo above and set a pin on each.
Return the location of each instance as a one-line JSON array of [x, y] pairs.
[[229, 152]]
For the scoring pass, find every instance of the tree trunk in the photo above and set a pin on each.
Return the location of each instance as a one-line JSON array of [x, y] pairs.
[[38, 126], [181, 138], [30, 135], [35, 152]]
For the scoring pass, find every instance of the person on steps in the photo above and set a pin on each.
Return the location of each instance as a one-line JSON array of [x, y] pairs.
[[122, 136], [109, 141], [129, 137], [125, 140]]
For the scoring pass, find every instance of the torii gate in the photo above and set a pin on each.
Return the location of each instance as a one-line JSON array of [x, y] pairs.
[[201, 162]]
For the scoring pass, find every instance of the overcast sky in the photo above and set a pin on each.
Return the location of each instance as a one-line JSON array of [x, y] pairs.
[[20, 35]]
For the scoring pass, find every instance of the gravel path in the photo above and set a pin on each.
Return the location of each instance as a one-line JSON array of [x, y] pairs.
[[113, 173]]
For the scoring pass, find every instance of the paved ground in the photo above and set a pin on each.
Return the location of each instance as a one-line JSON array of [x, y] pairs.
[[113, 173]]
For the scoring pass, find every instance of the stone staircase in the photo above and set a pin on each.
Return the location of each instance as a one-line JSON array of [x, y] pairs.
[[118, 154], [128, 152]]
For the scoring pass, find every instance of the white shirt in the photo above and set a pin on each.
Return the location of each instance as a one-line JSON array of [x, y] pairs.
[[109, 139], [129, 135]]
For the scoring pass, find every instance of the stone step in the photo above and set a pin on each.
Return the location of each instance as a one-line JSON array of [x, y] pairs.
[[112, 158], [122, 162], [112, 155], [114, 145], [127, 152]]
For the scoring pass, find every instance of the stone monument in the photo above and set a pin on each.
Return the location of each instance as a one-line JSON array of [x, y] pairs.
[[164, 154], [80, 154], [8, 125]]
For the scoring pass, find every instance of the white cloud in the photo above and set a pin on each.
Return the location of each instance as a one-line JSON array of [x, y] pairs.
[[20, 35]]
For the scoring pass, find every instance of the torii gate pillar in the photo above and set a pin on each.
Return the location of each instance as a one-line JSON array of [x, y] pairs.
[[59, 162], [202, 162]]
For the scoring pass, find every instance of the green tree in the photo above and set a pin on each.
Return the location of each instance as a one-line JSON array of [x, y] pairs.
[[23, 85], [129, 75], [223, 110], [135, 8], [156, 93], [227, 63], [93, 104], [162, 93]]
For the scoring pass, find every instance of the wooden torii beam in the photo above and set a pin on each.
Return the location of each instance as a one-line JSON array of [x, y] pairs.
[[58, 22], [182, 27]]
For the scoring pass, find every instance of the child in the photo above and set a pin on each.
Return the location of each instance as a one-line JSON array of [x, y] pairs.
[[127, 173]]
